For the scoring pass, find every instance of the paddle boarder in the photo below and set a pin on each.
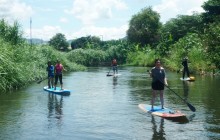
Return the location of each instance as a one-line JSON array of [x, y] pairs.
[[158, 75], [115, 66], [50, 72], [185, 67], [58, 74]]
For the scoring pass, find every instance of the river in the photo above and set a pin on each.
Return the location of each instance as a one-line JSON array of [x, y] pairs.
[[102, 107]]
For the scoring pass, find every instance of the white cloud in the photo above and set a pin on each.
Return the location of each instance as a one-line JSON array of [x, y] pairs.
[[45, 33], [88, 11], [106, 33], [171, 8], [14, 10]]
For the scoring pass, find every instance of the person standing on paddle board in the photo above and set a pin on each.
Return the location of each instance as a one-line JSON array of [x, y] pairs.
[[158, 75], [185, 67], [58, 74], [50, 71], [115, 66]]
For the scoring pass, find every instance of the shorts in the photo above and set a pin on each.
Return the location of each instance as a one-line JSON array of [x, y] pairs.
[[157, 85], [51, 76]]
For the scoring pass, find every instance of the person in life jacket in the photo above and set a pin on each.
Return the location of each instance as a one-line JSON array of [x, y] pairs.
[[50, 72], [114, 66], [58, 74], [185, 67]]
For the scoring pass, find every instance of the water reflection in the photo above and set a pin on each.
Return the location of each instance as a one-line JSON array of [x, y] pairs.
[[185, 89], [115, 81], [158, 131], [55, 106]]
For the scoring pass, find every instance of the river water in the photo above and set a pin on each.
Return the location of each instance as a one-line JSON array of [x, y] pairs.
[[102, 107]]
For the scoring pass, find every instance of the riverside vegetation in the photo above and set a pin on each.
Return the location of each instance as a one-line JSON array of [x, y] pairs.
[[196, 36]]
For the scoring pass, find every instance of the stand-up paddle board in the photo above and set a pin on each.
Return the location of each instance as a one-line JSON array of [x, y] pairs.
[[164, 113], [191, 78], [58, 91], [113, 74]]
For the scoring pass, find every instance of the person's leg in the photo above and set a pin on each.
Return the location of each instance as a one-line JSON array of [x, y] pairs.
[[48, 83], [161, 98], [184, 70], [61, 81], [56, 80], [153, 99], [52, 82], [113, 69]]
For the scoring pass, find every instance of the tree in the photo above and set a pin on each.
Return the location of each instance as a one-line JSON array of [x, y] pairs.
[[144, 27], [59, 42], [180, 26], [90, 42], [11, 34], [212, 41], [212, 8]]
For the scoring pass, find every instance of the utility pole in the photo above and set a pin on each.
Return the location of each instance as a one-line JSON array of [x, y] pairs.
[[31, 31]]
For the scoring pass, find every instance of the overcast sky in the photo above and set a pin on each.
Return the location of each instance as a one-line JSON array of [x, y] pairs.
[[107, 19]]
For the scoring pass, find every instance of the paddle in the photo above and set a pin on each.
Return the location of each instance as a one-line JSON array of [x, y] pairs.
[[109, 72], [41, 80], [192, 108]]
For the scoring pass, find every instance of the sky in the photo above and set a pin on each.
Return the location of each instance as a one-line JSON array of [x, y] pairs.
[[107, 19]]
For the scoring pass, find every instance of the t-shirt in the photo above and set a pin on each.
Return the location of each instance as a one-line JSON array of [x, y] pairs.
[[50, 70], [158, 74]]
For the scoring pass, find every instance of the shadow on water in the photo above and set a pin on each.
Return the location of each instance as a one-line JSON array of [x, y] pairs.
[[55, 106]]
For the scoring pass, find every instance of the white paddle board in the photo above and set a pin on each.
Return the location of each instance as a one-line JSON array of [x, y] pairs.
[[191, 78]]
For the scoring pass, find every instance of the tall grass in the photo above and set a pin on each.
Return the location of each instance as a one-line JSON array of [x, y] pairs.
[[22, 64], [87, 57], [142, 57], [192, 47]]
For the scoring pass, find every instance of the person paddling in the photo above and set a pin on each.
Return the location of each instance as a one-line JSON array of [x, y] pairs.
[[50, 71], [58, 74], [185, 67], [115, 66], [159, 80]]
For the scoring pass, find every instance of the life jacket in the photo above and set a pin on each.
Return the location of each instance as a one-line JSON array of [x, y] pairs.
[[114, 62], [59, 68]]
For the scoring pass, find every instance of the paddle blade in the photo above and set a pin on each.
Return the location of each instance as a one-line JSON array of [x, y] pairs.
[[41, 80], [192, 108]]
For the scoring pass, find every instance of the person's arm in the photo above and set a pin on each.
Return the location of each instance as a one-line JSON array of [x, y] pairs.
[[165, 81], [63, 68]]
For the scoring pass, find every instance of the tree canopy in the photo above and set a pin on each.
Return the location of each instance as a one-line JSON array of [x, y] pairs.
[[59, 42], [144, 27]]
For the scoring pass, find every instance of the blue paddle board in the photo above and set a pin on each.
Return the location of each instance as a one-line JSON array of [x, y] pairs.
[[164, 113], [58, 91]]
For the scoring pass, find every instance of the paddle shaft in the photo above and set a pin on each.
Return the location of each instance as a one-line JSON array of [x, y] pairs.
[[109, 70], [192, 108], [42, 80]]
